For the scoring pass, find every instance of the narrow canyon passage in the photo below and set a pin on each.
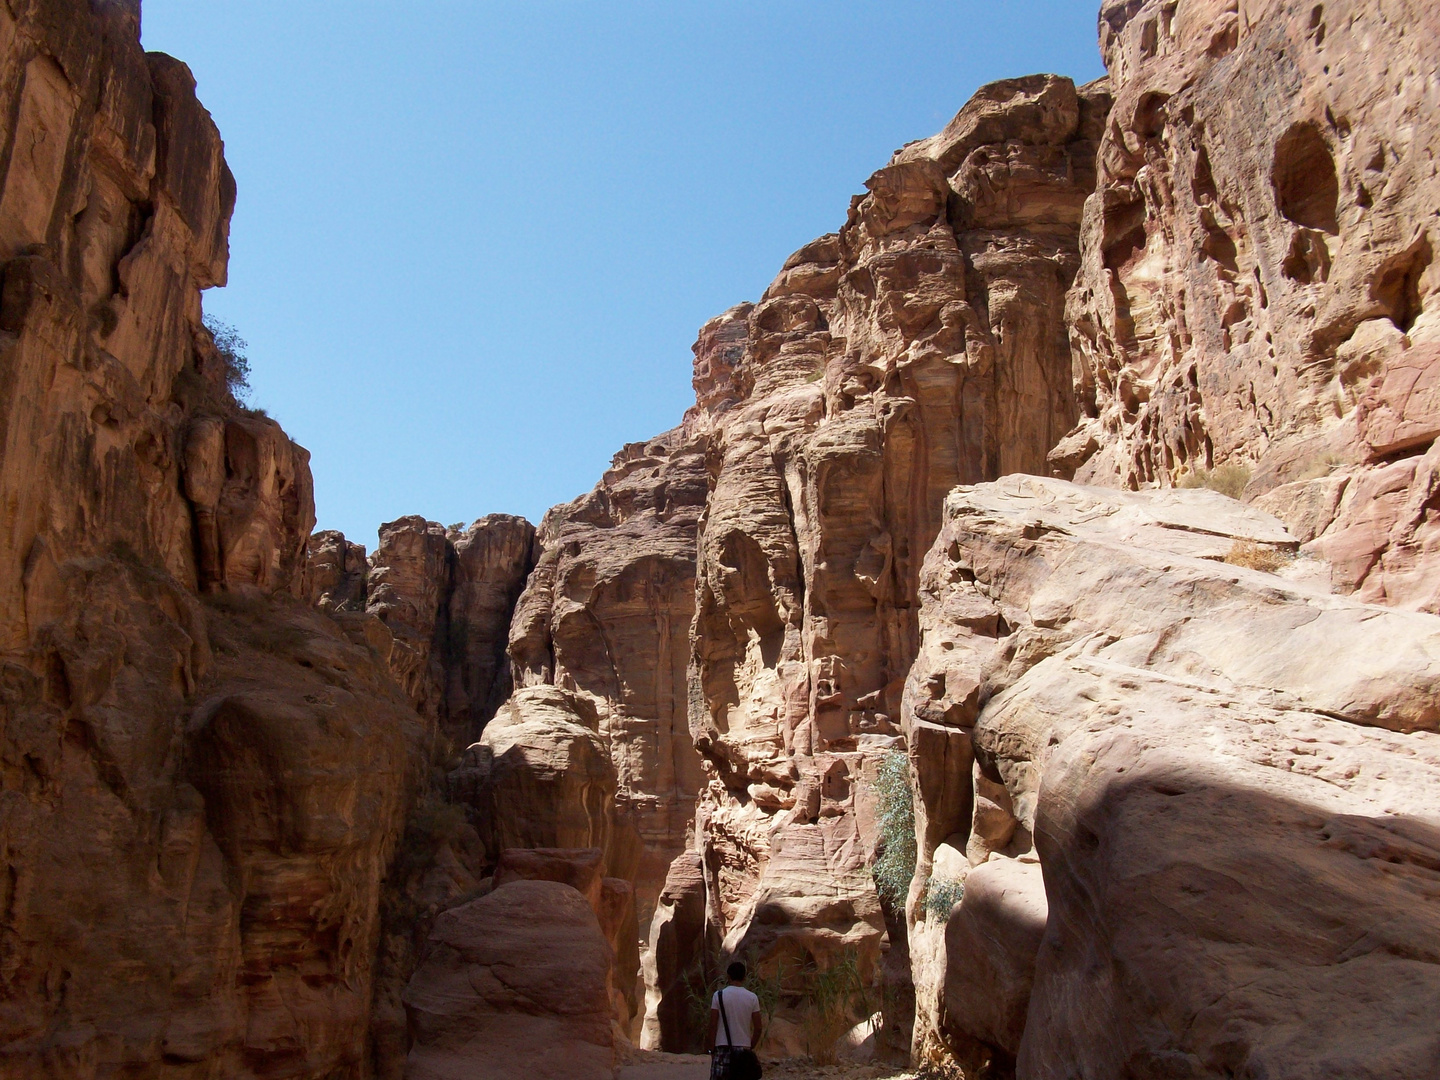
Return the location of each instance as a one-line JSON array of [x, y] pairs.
[[1024, 655]]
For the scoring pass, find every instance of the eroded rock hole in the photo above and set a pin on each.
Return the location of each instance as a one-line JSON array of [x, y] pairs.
[[1307, 190], [1397, 285], [1308, 260], [1203, 185]]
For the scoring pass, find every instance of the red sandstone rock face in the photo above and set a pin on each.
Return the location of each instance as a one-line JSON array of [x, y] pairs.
[[515, 985], [1225, 777], [197, 800], [920, 347], [335, 572], [201, 802], [435, 605], [1259, 284], [606, 616], [440, 603]]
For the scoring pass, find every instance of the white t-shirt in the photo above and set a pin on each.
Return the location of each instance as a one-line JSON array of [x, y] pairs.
[[740, 1006]]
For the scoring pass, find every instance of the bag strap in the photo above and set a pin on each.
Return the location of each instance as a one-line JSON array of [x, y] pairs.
[[720, 998]]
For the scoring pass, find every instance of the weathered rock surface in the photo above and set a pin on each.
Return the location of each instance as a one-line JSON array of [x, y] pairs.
[[516, 987], [197, 800], [406, 589], [444, 598], [613, 900], [1258, 284], [1185, 808], [606, 617], [991, 941], [920, 347], [303, 752], [335, 572], [541, 776], [677, 936], [1227, 776]]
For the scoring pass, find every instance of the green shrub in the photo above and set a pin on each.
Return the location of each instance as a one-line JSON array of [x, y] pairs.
[[942, 894], [231, 347], [834, 997], [895, 814]]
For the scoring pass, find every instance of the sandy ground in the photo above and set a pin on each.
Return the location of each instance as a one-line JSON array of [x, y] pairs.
[[648, 1065]]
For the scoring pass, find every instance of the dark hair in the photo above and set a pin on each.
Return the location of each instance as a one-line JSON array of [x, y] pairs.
[[736, 971]]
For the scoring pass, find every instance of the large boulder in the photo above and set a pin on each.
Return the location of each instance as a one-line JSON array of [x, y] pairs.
[[540, 776], [1227, 775], [515, 987], [990, 944]]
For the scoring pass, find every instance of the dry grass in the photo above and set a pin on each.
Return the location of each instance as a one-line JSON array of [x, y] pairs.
[[1253, 556], [1226, 479], [1321, 466]]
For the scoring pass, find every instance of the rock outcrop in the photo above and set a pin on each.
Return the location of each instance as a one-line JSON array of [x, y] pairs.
[[198, 799], [605, 618], [443, 599], [1259, 287], [541, 777], [1224, 775]]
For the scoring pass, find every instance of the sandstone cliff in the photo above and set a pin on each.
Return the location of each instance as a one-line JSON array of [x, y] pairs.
[[920, 347], [269, 807], [606, 615], [199, 797], [444, 599], [592, 749]]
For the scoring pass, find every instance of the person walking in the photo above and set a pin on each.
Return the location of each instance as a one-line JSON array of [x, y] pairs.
[[735, 1014]]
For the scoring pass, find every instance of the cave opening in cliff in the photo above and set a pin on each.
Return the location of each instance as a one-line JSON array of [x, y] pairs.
[[1307, 190]]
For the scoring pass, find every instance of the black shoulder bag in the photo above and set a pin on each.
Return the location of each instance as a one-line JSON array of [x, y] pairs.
[[743, 1064]]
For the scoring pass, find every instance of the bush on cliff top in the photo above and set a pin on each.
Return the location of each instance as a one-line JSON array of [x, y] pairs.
[[231, 347]]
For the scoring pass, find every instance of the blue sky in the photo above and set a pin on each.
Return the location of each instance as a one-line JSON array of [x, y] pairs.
[[474, 241]]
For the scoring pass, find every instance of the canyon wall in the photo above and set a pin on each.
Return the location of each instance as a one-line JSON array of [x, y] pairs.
[[203, 779], [1259, 285], [606, 616], [920, 347], [270, 807]]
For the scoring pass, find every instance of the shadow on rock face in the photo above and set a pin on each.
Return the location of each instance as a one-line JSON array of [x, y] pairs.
[[1202, 926]]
